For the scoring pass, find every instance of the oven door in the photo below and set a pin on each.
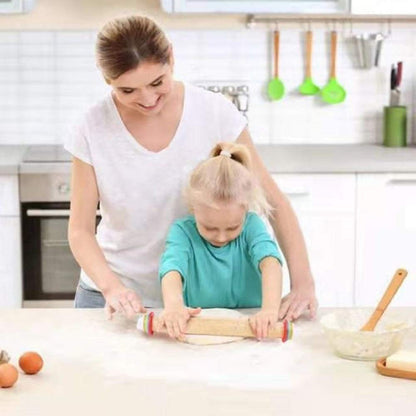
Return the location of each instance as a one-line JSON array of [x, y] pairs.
[[50, 271]]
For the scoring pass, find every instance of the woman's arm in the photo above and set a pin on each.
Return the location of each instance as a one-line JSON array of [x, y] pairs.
[[289, 235], [84, 246]]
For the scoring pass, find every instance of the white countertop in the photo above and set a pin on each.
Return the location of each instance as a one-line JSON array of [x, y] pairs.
[[314, 158], [10, 158], [99, 367]]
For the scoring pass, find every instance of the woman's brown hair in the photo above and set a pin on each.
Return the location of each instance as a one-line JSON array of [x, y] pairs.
[[123, 43]]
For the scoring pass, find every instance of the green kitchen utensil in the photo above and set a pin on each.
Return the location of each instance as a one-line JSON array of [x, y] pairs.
[[333, 93], [275, 88], [308, 87]]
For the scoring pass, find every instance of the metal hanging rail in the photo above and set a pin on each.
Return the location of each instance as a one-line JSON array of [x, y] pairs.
[[253, 20]]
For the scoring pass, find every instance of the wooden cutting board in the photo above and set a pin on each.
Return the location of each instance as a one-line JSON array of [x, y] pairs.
[[393, 372]]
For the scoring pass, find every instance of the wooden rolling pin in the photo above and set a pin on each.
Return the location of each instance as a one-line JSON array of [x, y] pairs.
[[239, 327]]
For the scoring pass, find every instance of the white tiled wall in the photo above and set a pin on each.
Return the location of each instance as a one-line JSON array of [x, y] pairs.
[[47, 78]]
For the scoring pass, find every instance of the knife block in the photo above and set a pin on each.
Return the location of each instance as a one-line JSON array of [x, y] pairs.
[[394, 126]]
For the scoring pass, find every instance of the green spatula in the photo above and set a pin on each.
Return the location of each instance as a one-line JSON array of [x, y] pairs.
[[275, 88], [333, 93], [308, 87]]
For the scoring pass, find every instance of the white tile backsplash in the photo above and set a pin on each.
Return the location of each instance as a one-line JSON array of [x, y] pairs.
[[48, 78]]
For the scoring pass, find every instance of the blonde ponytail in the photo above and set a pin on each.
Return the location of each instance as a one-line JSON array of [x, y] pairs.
[[227, 177]]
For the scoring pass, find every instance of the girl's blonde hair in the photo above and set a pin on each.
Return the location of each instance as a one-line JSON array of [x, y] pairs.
[[123, 43], [226, 177]]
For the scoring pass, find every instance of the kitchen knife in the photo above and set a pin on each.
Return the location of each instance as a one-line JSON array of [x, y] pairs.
[[394, 98], [399, 74]]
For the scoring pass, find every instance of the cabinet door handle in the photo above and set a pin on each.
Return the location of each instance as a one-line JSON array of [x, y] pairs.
[[297, 193], [403, 181], [51, 213]]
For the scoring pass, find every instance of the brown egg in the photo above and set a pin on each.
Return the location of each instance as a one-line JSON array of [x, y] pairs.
[[31, 362], [8, 375]]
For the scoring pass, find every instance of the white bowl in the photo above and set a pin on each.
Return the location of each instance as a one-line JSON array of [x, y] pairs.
[[342, 329]]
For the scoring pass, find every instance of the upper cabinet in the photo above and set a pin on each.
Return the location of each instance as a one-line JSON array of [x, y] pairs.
[[256, 6], [383, 7], [16, 6]]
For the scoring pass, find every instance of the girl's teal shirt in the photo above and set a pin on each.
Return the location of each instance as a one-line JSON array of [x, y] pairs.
[[219, 277]]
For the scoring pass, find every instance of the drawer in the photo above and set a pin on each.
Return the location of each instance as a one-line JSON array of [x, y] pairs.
[[319, 192], [9, 195]]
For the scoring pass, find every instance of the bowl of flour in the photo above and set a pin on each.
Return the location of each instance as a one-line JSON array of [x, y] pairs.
[[342, 329]]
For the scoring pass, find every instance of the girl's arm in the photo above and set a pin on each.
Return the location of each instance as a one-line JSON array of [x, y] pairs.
[[172, 290], [289, 235], [175, 315], [84, 246], [271, 273], [268, 316]]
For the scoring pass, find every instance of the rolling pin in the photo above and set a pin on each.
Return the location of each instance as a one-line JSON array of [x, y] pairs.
[[239, 327]]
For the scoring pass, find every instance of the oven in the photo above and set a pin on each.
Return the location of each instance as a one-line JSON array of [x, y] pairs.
[[49, 269], [50, 272]]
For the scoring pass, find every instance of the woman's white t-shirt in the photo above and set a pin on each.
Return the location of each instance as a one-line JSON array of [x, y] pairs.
[[140, 191]]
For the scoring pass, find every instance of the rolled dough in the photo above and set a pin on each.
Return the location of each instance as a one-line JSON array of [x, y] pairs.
[[214, 339]]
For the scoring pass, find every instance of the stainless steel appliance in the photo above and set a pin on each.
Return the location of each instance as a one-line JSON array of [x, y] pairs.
[[50, 273]]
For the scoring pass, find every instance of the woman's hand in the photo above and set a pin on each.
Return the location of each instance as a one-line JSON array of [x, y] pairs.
[[262, 321], [124, 300], [298, 301], [175, 319]]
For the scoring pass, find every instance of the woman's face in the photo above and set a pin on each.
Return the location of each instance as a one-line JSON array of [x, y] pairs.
[[146, 88]]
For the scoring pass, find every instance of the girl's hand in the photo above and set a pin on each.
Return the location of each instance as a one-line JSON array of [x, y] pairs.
[[124, 300], [262, 321], [175, 319]]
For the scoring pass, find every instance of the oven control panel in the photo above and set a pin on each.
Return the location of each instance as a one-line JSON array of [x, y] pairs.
[[45, 187]]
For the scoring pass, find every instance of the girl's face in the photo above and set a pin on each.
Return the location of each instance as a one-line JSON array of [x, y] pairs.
[[220, 224], [146, 88]]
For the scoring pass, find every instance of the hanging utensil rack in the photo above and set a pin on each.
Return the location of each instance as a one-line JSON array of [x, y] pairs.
[[254, 20]]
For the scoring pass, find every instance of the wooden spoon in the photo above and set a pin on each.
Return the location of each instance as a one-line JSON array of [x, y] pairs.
[[391, 290]]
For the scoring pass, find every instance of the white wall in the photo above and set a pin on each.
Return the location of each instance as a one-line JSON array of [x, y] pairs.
[[47, 77]]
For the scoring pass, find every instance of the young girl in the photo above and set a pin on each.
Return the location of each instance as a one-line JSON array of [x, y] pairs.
[[222, 254]]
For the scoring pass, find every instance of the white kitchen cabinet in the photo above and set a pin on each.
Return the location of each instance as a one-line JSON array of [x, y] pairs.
[[325, 207], [10, 247], [386, 236], [16, 6], [255, 6], [383, 7], [9, 195], [10, 263]]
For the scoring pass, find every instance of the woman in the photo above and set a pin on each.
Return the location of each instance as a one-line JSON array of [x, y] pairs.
[[126, 154]]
